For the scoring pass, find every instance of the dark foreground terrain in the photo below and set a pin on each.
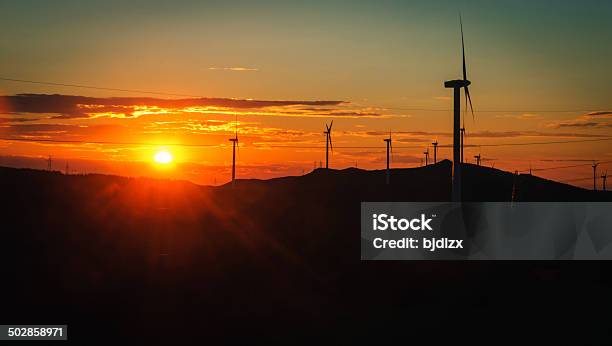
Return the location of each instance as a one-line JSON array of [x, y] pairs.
[[142, 261]]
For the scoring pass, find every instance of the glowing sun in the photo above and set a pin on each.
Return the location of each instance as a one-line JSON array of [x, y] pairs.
[[163, 157]]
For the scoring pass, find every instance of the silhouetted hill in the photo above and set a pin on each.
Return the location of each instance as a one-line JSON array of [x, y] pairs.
[[169, 262], [429, 183]]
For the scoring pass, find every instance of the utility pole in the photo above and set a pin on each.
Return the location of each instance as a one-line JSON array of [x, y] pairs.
[[388, 142]]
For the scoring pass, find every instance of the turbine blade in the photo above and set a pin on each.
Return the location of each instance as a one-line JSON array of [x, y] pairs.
[[464, 108], [469, 98], [330, 125], [331, 147], [462, 48]]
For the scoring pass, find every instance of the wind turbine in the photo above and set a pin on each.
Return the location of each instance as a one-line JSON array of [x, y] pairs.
[[457, 85], [389, 150], [435, 145], [595, 164], [603, 180], [426, 156], [477, 157], [234, 144], [328, 143]]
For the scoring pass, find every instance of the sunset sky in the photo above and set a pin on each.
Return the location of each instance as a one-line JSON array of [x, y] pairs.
[[540, 70]]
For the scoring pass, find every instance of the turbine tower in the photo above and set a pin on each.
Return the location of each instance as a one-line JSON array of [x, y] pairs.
[[477, 157], [457, 85], [328, 143], [426, 156], [234, 145], [603, 180], [595, 164], [389, 150], [435, 145]]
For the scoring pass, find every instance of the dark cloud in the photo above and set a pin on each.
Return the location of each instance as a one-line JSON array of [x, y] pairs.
[[600, 113], [412, 133], [68, 106], [478, 134], [412, 140], [21, 131], [579, 124], [15, 120], [349, 114]]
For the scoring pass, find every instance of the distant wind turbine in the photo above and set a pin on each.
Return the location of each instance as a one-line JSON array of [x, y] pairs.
[[426, 156], [435, 145], [603, 180], [328, 142], [389, 151], [457, 85], [234, 144], [477, 157]]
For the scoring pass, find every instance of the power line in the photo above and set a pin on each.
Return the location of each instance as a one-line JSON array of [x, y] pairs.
[[563, 167], [577, 179], [536, 143], [96, 87]]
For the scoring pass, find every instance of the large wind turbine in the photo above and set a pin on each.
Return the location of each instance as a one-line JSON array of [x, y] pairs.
[[328, 142], [435, 145], [457, 85], [234, 144], [389, 150]]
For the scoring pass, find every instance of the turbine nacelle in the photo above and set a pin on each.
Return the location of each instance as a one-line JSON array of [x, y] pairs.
[[457, 83]]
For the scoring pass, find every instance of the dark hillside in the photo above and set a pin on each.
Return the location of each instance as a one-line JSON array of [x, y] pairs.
[[168, 261]]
